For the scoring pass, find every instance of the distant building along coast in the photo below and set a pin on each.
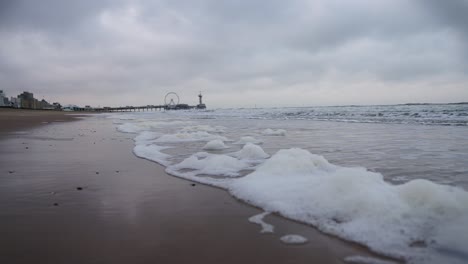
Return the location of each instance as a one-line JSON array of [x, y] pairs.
[[26, 100]]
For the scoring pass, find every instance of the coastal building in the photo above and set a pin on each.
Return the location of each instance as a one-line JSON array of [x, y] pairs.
[[72, 108], [4, 100], [15, 102], [57, 106], [27, 100], [43, 104]]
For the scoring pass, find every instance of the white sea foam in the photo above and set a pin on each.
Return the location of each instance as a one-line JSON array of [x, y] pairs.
[[188, 137], [210, 164], [419, 221], [353, 203], [251, 152], [153, 153], [129, 128], [272, 132], [248, 139], [258, 219], [145, 137], [293, 239], [216, 144]]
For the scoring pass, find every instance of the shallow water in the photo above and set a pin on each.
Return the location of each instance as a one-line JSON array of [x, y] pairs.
[[430, 145], [401, 152], [426, 114]]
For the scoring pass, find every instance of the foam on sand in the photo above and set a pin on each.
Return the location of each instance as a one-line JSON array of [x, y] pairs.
[[355, 204], [293, 239], [248, 139], [258, 219], [216, 144], [153, 153], [272, 132], [210, 164]]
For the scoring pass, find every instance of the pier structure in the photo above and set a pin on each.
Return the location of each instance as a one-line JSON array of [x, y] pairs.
[[171, 102], [200, 105], [130, 108]]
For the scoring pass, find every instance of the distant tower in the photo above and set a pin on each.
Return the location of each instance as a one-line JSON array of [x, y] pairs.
[[200, 105]]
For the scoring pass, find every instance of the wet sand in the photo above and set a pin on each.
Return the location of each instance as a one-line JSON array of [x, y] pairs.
[[74, 193], [12, 120]]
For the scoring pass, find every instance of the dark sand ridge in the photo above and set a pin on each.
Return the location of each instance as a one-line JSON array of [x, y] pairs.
[[74, 193]]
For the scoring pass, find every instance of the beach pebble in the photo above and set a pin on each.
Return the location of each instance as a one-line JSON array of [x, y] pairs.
[[11, 171], [27, 148], [193, 184], [97, 172], [79, 188], [56, 204], [117, 171]]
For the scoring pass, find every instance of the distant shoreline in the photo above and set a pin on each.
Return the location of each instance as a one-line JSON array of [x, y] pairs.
[[13, 119]]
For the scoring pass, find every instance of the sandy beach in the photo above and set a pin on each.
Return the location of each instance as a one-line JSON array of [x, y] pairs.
[[14, 120], [73, 192]]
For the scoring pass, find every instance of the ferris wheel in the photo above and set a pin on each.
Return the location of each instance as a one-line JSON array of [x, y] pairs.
[[171, 100]]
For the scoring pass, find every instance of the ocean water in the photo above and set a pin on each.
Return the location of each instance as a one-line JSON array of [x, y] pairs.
[[393, 178]]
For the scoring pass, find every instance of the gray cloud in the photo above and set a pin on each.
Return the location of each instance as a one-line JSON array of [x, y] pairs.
[[239, 53], [48, 15], [451, 13]]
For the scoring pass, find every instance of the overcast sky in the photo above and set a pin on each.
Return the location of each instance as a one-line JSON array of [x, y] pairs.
[[237, 53]]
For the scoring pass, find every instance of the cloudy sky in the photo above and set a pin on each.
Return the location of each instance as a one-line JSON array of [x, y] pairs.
[[238, 53]]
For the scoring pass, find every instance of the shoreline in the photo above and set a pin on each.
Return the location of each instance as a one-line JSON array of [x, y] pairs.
[[128, 209]]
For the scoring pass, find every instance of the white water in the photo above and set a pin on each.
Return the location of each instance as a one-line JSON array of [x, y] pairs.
[[419, 220], [216, 144]]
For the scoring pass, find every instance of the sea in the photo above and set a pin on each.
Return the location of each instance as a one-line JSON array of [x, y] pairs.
[[393, 178]]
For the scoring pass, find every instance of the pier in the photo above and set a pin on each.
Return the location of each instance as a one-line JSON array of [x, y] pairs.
[[129, 108], [171, 102]]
